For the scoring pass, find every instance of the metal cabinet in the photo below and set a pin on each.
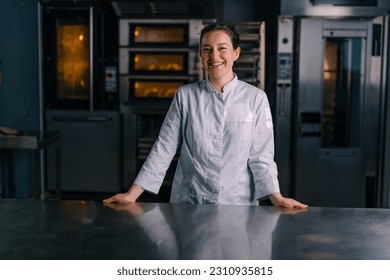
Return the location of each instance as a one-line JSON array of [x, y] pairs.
[[91, 150]]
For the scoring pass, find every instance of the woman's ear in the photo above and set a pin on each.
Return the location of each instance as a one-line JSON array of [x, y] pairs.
[[237, 53]]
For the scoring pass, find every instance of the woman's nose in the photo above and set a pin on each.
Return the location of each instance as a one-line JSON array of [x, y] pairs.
[[213, 54]]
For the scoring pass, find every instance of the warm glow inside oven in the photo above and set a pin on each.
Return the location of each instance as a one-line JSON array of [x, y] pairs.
[[157, 62], [73, 65], [144, 33], [158, 89]]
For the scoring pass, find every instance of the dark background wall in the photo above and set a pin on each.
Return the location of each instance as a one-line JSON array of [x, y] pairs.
[[19, 90]]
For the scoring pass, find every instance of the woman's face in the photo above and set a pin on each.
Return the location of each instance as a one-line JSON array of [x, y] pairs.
[[218, 56]]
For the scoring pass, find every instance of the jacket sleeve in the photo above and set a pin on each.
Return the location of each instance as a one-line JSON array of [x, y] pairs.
[[261, 155], [153, 171]]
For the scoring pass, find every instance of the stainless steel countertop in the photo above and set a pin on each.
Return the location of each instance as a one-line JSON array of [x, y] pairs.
[[54, 229]]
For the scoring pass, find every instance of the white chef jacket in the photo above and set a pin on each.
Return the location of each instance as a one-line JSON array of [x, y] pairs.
[[226, 146]]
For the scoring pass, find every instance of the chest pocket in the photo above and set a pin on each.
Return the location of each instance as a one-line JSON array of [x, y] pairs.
[[238, 126], [238, 113]]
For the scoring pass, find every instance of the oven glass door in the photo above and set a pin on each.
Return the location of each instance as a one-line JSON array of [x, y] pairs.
[[154, 88], [67, 53], [143, 62], [158, 34], [73, 66]]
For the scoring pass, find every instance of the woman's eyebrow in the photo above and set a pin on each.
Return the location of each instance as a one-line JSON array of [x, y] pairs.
[[207, 45]]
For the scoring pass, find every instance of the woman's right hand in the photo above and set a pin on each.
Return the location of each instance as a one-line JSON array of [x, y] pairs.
[[131, 196]]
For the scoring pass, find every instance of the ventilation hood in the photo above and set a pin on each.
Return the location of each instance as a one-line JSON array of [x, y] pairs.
[[164, 8]]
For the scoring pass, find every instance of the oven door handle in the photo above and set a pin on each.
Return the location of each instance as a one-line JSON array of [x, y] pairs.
[[310, 124], [91, 62], [83, 119]]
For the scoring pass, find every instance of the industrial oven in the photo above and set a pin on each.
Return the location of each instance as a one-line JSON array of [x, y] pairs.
[[330, 101], [80, 94]]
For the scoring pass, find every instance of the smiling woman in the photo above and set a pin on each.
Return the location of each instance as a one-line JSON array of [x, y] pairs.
[[219, 49], [223, 128]]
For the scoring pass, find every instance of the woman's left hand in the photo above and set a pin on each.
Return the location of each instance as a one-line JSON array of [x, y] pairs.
[[279, 201]]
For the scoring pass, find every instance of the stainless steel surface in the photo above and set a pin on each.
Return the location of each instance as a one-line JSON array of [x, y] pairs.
[[90, 230]]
